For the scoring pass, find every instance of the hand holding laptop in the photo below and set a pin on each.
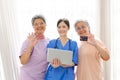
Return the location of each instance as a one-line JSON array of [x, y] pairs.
[[57, 56], [56, 62]]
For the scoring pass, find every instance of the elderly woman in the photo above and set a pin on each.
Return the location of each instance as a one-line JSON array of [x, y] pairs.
[[91, 52], [33, 52]]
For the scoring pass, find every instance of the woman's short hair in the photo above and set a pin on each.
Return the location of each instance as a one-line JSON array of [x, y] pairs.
[[66, 21], [83, 21], [37, 17]]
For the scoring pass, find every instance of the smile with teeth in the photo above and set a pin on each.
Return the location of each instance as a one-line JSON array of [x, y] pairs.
[[82, 32], [39, 28], [61, 32]]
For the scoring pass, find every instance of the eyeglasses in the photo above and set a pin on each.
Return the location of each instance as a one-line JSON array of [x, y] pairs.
[[38, 24], [79, 28]]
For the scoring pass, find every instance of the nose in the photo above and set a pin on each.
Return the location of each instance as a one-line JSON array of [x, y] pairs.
[[81, 29], [38, 25]]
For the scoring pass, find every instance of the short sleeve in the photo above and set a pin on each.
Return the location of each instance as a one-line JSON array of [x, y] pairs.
[[24, 46], [75, 52]]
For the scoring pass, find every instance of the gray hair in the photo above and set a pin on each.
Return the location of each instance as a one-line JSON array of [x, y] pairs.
[[83, 21], [37, 17]]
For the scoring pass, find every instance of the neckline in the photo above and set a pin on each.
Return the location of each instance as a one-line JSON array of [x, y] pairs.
[[64, 44]]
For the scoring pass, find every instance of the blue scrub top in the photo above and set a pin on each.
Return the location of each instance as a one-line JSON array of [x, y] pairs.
[[62, 73]]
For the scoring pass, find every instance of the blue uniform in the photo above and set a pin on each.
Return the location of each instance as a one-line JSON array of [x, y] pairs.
[[62, 73]]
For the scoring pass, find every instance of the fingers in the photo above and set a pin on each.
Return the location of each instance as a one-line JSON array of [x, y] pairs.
[[59, 62], [31, 36], [56, 62], [91, 36]]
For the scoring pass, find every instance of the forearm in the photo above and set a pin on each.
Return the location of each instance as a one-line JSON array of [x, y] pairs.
[[24, 58], [64, 65], [103, 52]]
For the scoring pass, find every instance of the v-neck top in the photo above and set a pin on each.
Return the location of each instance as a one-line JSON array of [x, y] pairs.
[[65, 46], [62, 73]]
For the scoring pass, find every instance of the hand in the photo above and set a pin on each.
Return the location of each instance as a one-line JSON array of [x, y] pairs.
[[56, 62], [32, 39], [91, 40]]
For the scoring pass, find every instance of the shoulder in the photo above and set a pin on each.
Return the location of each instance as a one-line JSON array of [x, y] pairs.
[[25, 42], [46, 39], [73, 43], [51, 43]]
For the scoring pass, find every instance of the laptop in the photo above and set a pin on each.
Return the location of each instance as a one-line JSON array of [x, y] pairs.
[[65, 56]]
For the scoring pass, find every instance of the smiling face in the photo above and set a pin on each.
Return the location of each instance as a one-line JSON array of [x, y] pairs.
[[62, 28], [82, 29], [39, 26]]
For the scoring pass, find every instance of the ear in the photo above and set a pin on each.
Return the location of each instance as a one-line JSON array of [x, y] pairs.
[[45, 27], [69, 28], [89, 29]]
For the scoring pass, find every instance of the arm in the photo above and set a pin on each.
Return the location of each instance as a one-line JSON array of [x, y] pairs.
[[56, 63], [27, 49], [24, 58], [104, 53], [64, 65]]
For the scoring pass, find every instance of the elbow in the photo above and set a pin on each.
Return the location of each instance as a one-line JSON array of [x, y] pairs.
[[22, 61], [106, 57]]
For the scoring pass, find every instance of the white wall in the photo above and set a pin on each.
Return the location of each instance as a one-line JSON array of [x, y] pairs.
[[115, 39], [54, 10], [105, 34]]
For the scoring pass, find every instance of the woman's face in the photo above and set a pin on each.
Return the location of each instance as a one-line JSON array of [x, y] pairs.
[[82, 29], [62, 29], [39, 26]]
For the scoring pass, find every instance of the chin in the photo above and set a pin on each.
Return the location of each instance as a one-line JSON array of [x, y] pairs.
[[62, 35], [39, 33], [80, 34]]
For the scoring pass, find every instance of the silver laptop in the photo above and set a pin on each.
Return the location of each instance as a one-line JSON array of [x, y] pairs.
[[65, 56]]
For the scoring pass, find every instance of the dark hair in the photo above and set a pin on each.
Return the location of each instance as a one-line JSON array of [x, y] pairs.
[[38, 17], [65, 21]]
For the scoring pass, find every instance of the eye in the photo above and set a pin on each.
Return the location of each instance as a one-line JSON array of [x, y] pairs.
[[35, 24], [41, 23], [59, 26], [78, 28]]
